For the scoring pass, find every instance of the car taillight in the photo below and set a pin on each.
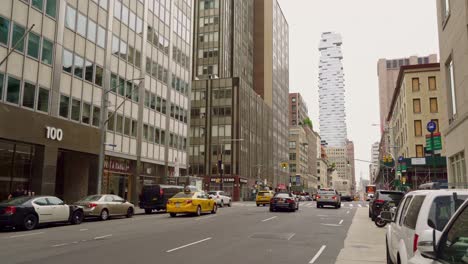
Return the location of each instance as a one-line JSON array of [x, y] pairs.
[[415, 242], [92, 205], [317, 197], [161, 192], [334, 197], [379, 201], [272, 200], [10, 210], [290, 200], [189, 201]]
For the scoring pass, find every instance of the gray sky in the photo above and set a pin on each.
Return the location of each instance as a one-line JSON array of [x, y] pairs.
[[371, 29]]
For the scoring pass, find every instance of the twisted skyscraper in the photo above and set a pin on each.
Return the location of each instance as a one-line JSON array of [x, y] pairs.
[[331, 91]]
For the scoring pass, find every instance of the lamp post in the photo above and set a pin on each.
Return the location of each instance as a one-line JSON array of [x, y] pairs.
[[220, 162], [102, 129]]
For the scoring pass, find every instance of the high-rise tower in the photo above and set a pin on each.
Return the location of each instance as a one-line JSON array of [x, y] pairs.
[[331, 91]]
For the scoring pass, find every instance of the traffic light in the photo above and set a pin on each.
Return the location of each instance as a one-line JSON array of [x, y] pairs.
[[284, 165]]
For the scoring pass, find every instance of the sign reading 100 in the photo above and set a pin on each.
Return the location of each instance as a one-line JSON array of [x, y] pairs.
[[54, 133]]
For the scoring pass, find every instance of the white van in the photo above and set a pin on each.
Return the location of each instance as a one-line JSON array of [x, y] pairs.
[[419, 211]]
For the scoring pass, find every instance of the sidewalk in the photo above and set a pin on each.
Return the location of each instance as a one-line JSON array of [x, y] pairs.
[[365, 242]]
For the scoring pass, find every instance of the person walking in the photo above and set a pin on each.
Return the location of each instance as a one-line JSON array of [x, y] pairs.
[[17, 193]]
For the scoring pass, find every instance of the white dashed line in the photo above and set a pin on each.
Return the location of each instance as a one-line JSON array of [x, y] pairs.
[[60, 245], [317, 255], [84, 229], [293, 234], [341, 222], [268, 219], [31, 234], [206, 217], [102, 237], [191, 244], [347, 212]]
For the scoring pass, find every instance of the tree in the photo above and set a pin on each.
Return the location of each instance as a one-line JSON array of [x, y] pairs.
[[307, 122]]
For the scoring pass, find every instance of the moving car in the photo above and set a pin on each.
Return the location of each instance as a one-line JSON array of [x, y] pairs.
[[189, 202], [27, 212], [370, 196], [328, 196], [284, 201], [418, 212], [393, 198], [221, 198], [263, 197], [451, 247], [105, 206], [155, 197]]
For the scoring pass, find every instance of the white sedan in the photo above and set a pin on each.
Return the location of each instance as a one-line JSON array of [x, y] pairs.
[[221, 198]]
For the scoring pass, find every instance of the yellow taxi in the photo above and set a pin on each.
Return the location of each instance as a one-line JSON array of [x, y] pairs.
[[189, 202], [264, 197]]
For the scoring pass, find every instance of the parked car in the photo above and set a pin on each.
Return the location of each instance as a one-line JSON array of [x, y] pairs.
[[155, 197], [188, 202], [105, 206], [451, 247], [221, 198], [27, 212], [392, 198], [284, 201], [328, 196], [418, 212], [263, 197], [370, 196]]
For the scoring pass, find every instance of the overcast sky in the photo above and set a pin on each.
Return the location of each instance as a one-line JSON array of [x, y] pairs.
[[371, 29]]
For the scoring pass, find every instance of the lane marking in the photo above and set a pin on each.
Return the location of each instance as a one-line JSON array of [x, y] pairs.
[[359, 205], [31, 234], [293, 234], [206, 217], [347, 212], [84, 229], [317, 255], [188, 245], [351, 205], [60, 245], [330, 225], [268, 219], [102, 237], [341, 222]]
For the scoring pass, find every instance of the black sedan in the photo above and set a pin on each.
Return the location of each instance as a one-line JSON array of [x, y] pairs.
[[284, 201], [28, 212]]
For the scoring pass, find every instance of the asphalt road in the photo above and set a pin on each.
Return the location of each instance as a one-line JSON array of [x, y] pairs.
[[243, 233]]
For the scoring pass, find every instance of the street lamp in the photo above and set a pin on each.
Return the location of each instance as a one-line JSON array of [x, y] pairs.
[[221, 166], [102, 128]]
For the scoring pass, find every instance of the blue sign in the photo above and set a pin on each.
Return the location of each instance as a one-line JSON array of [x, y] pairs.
[[400, 159], [431, 126], [298, 180]]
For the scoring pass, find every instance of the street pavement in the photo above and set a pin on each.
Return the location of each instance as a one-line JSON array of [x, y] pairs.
[[243, 233]]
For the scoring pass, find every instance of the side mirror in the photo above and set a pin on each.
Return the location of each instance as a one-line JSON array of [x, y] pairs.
[[387, 216], [427, 244]]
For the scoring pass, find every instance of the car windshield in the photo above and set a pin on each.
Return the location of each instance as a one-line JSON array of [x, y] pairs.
[[91, 198], [16, 201], [212, 193], [391, 196], [183, 195], [283, 195], [263, 193], [326, 192]]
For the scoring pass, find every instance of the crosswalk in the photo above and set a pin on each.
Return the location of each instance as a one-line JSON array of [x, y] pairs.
[[306, 204]]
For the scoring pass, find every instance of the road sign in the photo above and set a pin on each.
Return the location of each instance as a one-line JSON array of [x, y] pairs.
[[298, 180], [400, 159], [437, 142], [431, 126]]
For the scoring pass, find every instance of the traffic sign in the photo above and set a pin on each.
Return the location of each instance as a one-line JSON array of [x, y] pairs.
[[400, 159], [437, 142], [431, 126]]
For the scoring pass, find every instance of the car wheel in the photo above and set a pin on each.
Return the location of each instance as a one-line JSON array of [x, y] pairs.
[[148, 211], [318, 205], [221, 204], [271, 209], [389, 260], [104, 215], [229, 204], [172, 214], [198, 213], [215, 208], [30, 222], [258, 205], [77, 217], [370, 214], [130, 212]]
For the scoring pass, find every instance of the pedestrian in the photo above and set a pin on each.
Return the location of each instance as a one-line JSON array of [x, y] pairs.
[[17, 193]]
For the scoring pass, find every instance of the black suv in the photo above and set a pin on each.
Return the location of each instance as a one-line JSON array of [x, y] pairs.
[[381, 197], [154, 197]]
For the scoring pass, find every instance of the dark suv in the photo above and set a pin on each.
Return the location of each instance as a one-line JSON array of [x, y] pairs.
[[381, 197], [154, 197]]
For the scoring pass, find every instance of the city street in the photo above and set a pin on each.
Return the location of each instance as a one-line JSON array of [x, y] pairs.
[[243, 233]]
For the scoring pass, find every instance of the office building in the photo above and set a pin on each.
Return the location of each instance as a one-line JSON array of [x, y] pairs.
[[451, 21], [332, 116], [297, 109]]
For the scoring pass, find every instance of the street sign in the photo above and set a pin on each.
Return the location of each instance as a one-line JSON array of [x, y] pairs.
[[437, 142], [400, 159], [298, 180], [431, 126]]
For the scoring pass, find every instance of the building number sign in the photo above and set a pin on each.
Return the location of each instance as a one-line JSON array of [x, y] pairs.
[[54, 133]]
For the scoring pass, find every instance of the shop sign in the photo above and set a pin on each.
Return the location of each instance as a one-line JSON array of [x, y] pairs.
[[54, 133], [418, 161], [243, 180], [120, 165], [217, 180]]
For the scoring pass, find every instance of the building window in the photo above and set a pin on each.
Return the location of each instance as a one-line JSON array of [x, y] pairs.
[[432, 83], [119, 124], [86, 116], [101, 37], [29, 92], [292, 144], [67, 61], [89, 68], [91, 31], [13, 90], [96, 116], [127, 122], [34, 45], [417, 128], [98, 75], [451, 79], [4, 30], [434, 105], [70, 18], [51, 8], [47, 51], [43, 100], [458, 170], [415, 84], [79, 63], [76, 109], [81, 25], [416, 105], [64, 103], [2, 77], [37, 4], [110, 122], [292, 156], [134, 128], [18, 32]]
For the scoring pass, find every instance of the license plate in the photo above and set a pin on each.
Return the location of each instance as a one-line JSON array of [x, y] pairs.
[[392, 204], [177, 205]]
